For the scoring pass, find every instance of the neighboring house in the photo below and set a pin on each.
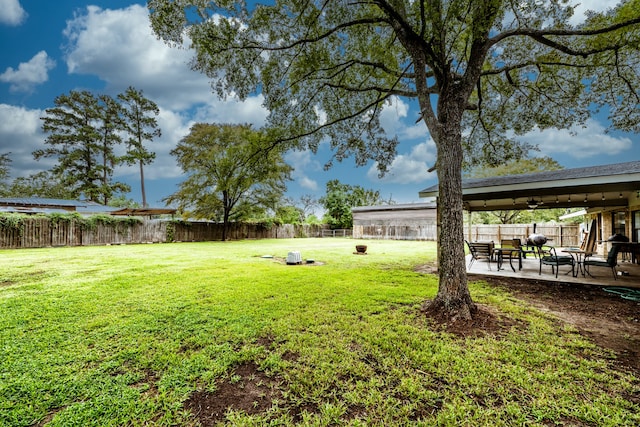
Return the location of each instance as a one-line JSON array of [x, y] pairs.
[[415, 221], [41, 205], [610, 194]]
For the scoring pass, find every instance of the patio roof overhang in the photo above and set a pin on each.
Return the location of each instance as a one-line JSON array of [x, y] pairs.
[[606, 186]]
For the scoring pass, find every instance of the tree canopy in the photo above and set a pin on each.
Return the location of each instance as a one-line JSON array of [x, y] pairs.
[[84, 130], [517, 167], [340, 198], [82, 135], [481, 72], [139, 122], [5, 161], [229, 168]]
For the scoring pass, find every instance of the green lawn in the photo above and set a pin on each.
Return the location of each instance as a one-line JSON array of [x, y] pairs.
[[130, 335]]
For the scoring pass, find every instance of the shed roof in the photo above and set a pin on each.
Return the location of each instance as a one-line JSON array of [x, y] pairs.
[[398, 207]]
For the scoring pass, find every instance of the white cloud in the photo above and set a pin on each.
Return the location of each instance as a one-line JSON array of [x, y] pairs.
[[593, 5], [29, 74], [21, 134], [119, 47], [579, 142], [394, 119], [408, 168], [11, 12], [233, 111], [302, 163]]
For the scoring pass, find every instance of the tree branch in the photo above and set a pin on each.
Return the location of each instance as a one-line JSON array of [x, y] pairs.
[[541, 37]]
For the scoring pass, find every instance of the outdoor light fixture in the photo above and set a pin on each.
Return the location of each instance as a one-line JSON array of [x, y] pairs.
[[620, 195], [532, 204], [569, 199], [557, 201], [585, 198], [602, 196]]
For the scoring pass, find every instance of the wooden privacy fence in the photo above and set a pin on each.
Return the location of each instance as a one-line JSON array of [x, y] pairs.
[[557, 235], [39, 232], [426, 231]]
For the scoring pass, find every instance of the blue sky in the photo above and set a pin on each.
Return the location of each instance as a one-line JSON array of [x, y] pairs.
[[52, 47]]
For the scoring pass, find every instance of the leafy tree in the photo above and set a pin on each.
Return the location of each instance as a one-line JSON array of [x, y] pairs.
[[337, 209], [41, 184], [122, 201], [230, 168], [139, 115], [5, 161], [289, 214], [313, 220], [108, 125], [517, 167], [340, 198], [307, 204], [491, 69], [81, 132]]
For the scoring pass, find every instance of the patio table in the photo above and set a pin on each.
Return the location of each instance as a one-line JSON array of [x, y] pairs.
[[500, 252], [578, 256]]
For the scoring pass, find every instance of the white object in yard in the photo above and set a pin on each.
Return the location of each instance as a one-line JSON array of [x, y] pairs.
[[294, 257]]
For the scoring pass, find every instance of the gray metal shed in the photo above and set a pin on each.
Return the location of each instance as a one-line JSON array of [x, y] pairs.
[[414, 221]]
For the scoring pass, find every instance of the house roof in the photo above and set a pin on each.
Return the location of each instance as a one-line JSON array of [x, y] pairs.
[[33, 205], [143, 211], [399, 207], [594, 186]]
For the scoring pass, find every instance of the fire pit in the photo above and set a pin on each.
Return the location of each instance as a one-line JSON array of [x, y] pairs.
[[361, 249]]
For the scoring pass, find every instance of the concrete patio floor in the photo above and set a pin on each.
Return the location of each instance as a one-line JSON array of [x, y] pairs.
[[530, 267]]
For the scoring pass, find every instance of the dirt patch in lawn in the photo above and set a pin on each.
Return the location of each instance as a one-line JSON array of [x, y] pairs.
[[305, 262], [248, 389], [607, 319]]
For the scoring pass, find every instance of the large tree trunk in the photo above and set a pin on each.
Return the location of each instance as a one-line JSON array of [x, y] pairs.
[[453, 300], [225, 215], [144, 193]]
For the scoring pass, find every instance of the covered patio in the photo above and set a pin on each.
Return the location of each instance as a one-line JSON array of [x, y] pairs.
[[602, 276], [609, 195]]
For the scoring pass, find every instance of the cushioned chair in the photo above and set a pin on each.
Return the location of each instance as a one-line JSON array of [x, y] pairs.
[[611, 261], [548, 256], [480, 250]]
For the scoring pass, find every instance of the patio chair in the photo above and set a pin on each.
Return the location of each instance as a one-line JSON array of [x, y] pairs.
[[548, 256], [526, 249], [611, 261], [480, 250], [511, 255]]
